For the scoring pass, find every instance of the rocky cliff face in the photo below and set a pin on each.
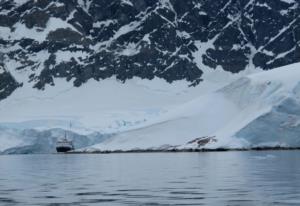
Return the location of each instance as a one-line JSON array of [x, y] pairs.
[[7, 83], [79, 40]]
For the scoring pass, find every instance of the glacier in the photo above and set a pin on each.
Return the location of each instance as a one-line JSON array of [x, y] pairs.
[[238, 110], [29, 141], [258, 110]]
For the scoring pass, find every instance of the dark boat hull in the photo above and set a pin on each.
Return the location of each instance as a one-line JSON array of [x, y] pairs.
[[63, 149]]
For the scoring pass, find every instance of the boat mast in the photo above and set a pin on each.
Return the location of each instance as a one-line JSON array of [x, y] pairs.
[[70, 126]]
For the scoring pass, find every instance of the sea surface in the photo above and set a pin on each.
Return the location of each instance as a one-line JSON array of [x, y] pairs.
[[213, 178]]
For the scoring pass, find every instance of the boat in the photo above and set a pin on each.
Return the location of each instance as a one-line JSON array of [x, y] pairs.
[[64, 145]]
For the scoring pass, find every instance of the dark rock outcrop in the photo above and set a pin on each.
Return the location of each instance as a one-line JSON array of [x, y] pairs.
[[7, 83]]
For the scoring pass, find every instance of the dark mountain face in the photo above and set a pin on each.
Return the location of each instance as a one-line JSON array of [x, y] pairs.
[[96, 39]]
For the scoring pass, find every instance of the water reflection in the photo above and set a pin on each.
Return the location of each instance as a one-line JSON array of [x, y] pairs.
[[215, 178]]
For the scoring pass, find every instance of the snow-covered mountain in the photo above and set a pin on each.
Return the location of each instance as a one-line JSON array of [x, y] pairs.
[[145, 68], [78, 40]]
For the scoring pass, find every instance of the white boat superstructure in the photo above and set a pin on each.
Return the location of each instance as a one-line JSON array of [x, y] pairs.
[[64, 145]]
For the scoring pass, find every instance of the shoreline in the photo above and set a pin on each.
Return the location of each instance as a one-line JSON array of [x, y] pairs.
[[191, 150], [185, 150]]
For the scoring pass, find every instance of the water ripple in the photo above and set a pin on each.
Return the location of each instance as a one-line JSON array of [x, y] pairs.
[[231, 178]]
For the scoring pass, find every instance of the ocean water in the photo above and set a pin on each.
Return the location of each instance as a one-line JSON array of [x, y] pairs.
[[213, 178]]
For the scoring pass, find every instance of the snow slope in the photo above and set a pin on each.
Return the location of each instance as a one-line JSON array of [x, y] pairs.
[[239, 115], [106, 107], [252, 110]]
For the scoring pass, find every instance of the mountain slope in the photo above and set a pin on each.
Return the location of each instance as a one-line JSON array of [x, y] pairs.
[[78, 40]]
